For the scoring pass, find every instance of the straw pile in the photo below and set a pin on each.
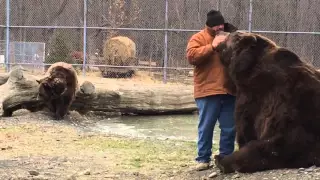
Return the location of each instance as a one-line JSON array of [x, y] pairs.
[[118, 51]]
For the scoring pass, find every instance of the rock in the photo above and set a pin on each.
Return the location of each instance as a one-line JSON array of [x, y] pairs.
[[204, 178], [33, 173], [40, 178], [49, 174], [235, 176], [56, 158], [111, 176], [85, 172], [311, 169], [6, 148], [301, 169], [183, 165], [64, 159], [212, 175], [72, 177]]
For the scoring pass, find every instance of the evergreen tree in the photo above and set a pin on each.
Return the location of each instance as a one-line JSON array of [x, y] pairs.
[[59, 51]]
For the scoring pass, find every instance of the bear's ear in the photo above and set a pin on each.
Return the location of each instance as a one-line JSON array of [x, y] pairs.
[[246, 40], [228, 27], [41, 80]]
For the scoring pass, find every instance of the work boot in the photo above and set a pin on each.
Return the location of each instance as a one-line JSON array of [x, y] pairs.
[[201, 166]]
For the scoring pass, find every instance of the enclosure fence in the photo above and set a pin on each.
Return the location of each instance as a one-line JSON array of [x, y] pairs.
[[118, 38]]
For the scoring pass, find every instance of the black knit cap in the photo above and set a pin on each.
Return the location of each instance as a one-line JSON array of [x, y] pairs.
[[214, 18]]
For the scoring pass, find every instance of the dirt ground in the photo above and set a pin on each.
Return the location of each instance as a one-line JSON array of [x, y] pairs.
[[33, 146]]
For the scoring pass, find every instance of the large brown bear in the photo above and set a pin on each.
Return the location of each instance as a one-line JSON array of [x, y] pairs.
[[58, 88], [277, 105]]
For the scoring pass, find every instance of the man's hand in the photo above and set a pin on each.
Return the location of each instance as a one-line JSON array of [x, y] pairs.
[[218, 39]]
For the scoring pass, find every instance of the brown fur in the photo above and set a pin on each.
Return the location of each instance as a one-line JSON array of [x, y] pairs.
[[277, 105], [58, 89]]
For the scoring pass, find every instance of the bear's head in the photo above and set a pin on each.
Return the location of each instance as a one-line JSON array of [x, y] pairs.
[[238, 52], [237, 55], [241, 51], [51, 88], [248, 56]]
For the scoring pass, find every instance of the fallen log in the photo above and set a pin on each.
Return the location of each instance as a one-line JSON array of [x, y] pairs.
[[3, 78], [21, 92]]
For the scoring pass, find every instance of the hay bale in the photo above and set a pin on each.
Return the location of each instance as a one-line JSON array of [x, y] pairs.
[[119, 51]]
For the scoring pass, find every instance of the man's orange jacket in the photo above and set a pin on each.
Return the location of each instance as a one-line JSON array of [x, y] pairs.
[[208, 70]]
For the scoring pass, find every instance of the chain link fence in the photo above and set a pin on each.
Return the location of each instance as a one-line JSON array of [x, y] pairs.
[[2, 54], [292, 24], [138, 38]]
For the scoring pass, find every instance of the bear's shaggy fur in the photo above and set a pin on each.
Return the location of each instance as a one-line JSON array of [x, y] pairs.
[[58, 88], [277, 105]]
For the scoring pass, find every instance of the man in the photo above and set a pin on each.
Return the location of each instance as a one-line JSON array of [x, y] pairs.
[[213, 101]]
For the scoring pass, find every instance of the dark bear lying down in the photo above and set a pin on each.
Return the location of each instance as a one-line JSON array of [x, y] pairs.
[[58, 89], [277, 105]]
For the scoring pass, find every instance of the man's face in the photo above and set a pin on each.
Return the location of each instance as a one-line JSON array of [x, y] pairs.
[[215, 29]]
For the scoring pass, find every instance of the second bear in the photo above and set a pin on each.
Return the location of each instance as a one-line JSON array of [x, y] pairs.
[[58, 88]]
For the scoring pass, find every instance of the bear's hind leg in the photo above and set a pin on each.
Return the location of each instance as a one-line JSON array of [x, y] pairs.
[[294, 149], [308, 158], [257, 155]]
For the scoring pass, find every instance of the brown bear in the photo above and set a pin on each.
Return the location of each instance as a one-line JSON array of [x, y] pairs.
[[58, 88], [277, 105]]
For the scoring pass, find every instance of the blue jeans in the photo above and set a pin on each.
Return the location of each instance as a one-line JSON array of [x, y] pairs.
[[213, 108]]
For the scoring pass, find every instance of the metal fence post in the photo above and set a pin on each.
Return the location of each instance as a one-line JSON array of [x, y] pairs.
[[250, 16], [165, 63], [84, 37], [7, 34]]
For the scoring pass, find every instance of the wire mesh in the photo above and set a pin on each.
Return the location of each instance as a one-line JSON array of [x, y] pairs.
[[304, 45], [46, 13], [136, 30], [185, 14], [2, 49], [36, 49], [188, 14], [122, 53], [3, 12], [126, 14], [285, 15], [235, 12]]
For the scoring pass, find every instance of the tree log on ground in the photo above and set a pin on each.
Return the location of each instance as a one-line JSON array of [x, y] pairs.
[[20, 92], [3, 78]]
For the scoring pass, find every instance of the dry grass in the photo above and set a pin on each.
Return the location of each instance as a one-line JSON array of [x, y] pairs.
[[116, 154]]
